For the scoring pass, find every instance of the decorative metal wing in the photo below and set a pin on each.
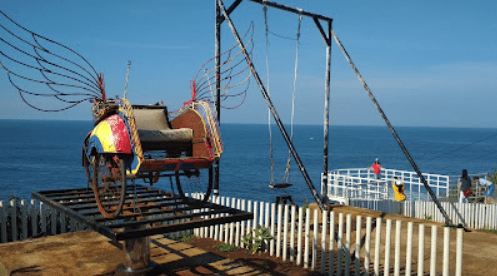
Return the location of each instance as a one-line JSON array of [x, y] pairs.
[[233, 76], [49, 76]]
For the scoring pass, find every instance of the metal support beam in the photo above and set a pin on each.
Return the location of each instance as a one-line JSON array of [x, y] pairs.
[[290, 9], [271, 106], [229, 10], [392, 130], [326, 111], [218, 87]]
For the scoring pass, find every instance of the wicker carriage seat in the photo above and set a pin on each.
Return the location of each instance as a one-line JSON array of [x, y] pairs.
[[155, 129]]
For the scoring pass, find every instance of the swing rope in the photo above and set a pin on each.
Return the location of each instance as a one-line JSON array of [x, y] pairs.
[[286, 176]]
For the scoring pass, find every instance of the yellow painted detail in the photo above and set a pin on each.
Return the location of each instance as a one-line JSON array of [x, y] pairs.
[[127, 110], [106, 137]]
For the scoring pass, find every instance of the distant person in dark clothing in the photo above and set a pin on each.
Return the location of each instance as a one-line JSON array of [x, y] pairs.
[[464, 187]]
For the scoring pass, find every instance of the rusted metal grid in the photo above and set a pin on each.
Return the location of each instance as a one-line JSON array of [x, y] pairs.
[[155, 212]]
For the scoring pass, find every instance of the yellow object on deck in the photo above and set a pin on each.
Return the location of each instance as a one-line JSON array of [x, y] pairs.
[[398, 189]]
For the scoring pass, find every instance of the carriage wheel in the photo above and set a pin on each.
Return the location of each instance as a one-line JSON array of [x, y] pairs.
[[89, 168], [194, 182], [109, 184]]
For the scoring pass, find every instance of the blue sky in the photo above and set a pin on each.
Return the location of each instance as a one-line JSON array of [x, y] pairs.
[[429, 63]]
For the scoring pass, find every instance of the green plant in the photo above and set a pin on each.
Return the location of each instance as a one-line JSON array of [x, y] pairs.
[[255, 242], [450, 226], [427, 217], [490, 230], [224, 247], [186, 238], [398, 211], [305, 206]]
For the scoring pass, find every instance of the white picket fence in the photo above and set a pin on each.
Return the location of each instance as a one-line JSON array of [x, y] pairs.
[[313, 239], [22, 219], [472, 215]]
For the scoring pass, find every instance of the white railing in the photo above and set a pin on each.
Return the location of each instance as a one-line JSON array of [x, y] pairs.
[[22, 219], [315, 239], [472, 215], [360, 183]]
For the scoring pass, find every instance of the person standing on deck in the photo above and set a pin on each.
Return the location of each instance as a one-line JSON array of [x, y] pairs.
[[489, 188], [376, 167], [464, 186], [398, 188]]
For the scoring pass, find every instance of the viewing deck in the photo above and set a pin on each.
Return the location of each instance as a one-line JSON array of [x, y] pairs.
[[360, 183]]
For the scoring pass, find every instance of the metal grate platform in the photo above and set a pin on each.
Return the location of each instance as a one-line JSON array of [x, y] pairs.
[[155, 212]]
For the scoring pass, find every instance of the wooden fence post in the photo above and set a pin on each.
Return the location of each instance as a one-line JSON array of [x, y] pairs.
[[421, 249], [377, 247], [446, 251], [273, 231], [232, 224], [299, 237], [397, 248], [242, 226], [388, 238], [340, 244], [410, 226], [324, 223], [307, 238], [331, 256], [367, 247], [237, 225], [285, 232], [292, 235], [433, 257], [278, 231], [43, 218], [315, 240], [13, 219], [34, 218], [3, 221], [459, 248], [24, 219], [358, 228], [347, 244]]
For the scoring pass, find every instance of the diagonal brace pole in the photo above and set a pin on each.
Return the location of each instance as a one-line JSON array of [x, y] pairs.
[[392, 130]]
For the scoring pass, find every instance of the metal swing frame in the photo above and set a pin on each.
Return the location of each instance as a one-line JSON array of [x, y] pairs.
[[223, 14]]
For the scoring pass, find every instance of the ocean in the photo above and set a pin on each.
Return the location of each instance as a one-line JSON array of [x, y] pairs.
[[38, 155]]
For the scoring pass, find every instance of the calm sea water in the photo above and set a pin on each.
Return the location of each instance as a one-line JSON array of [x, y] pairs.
[[46, 155]]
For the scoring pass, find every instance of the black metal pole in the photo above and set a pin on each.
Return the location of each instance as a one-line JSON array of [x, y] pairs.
[[290, 9], [218, 90], [271, 106], [324, 183]]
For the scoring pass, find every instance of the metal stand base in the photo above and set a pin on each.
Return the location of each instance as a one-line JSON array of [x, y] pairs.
[[136, 257], [122, 270]]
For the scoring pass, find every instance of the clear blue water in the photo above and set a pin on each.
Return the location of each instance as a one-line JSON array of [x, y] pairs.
[[46, 155]]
